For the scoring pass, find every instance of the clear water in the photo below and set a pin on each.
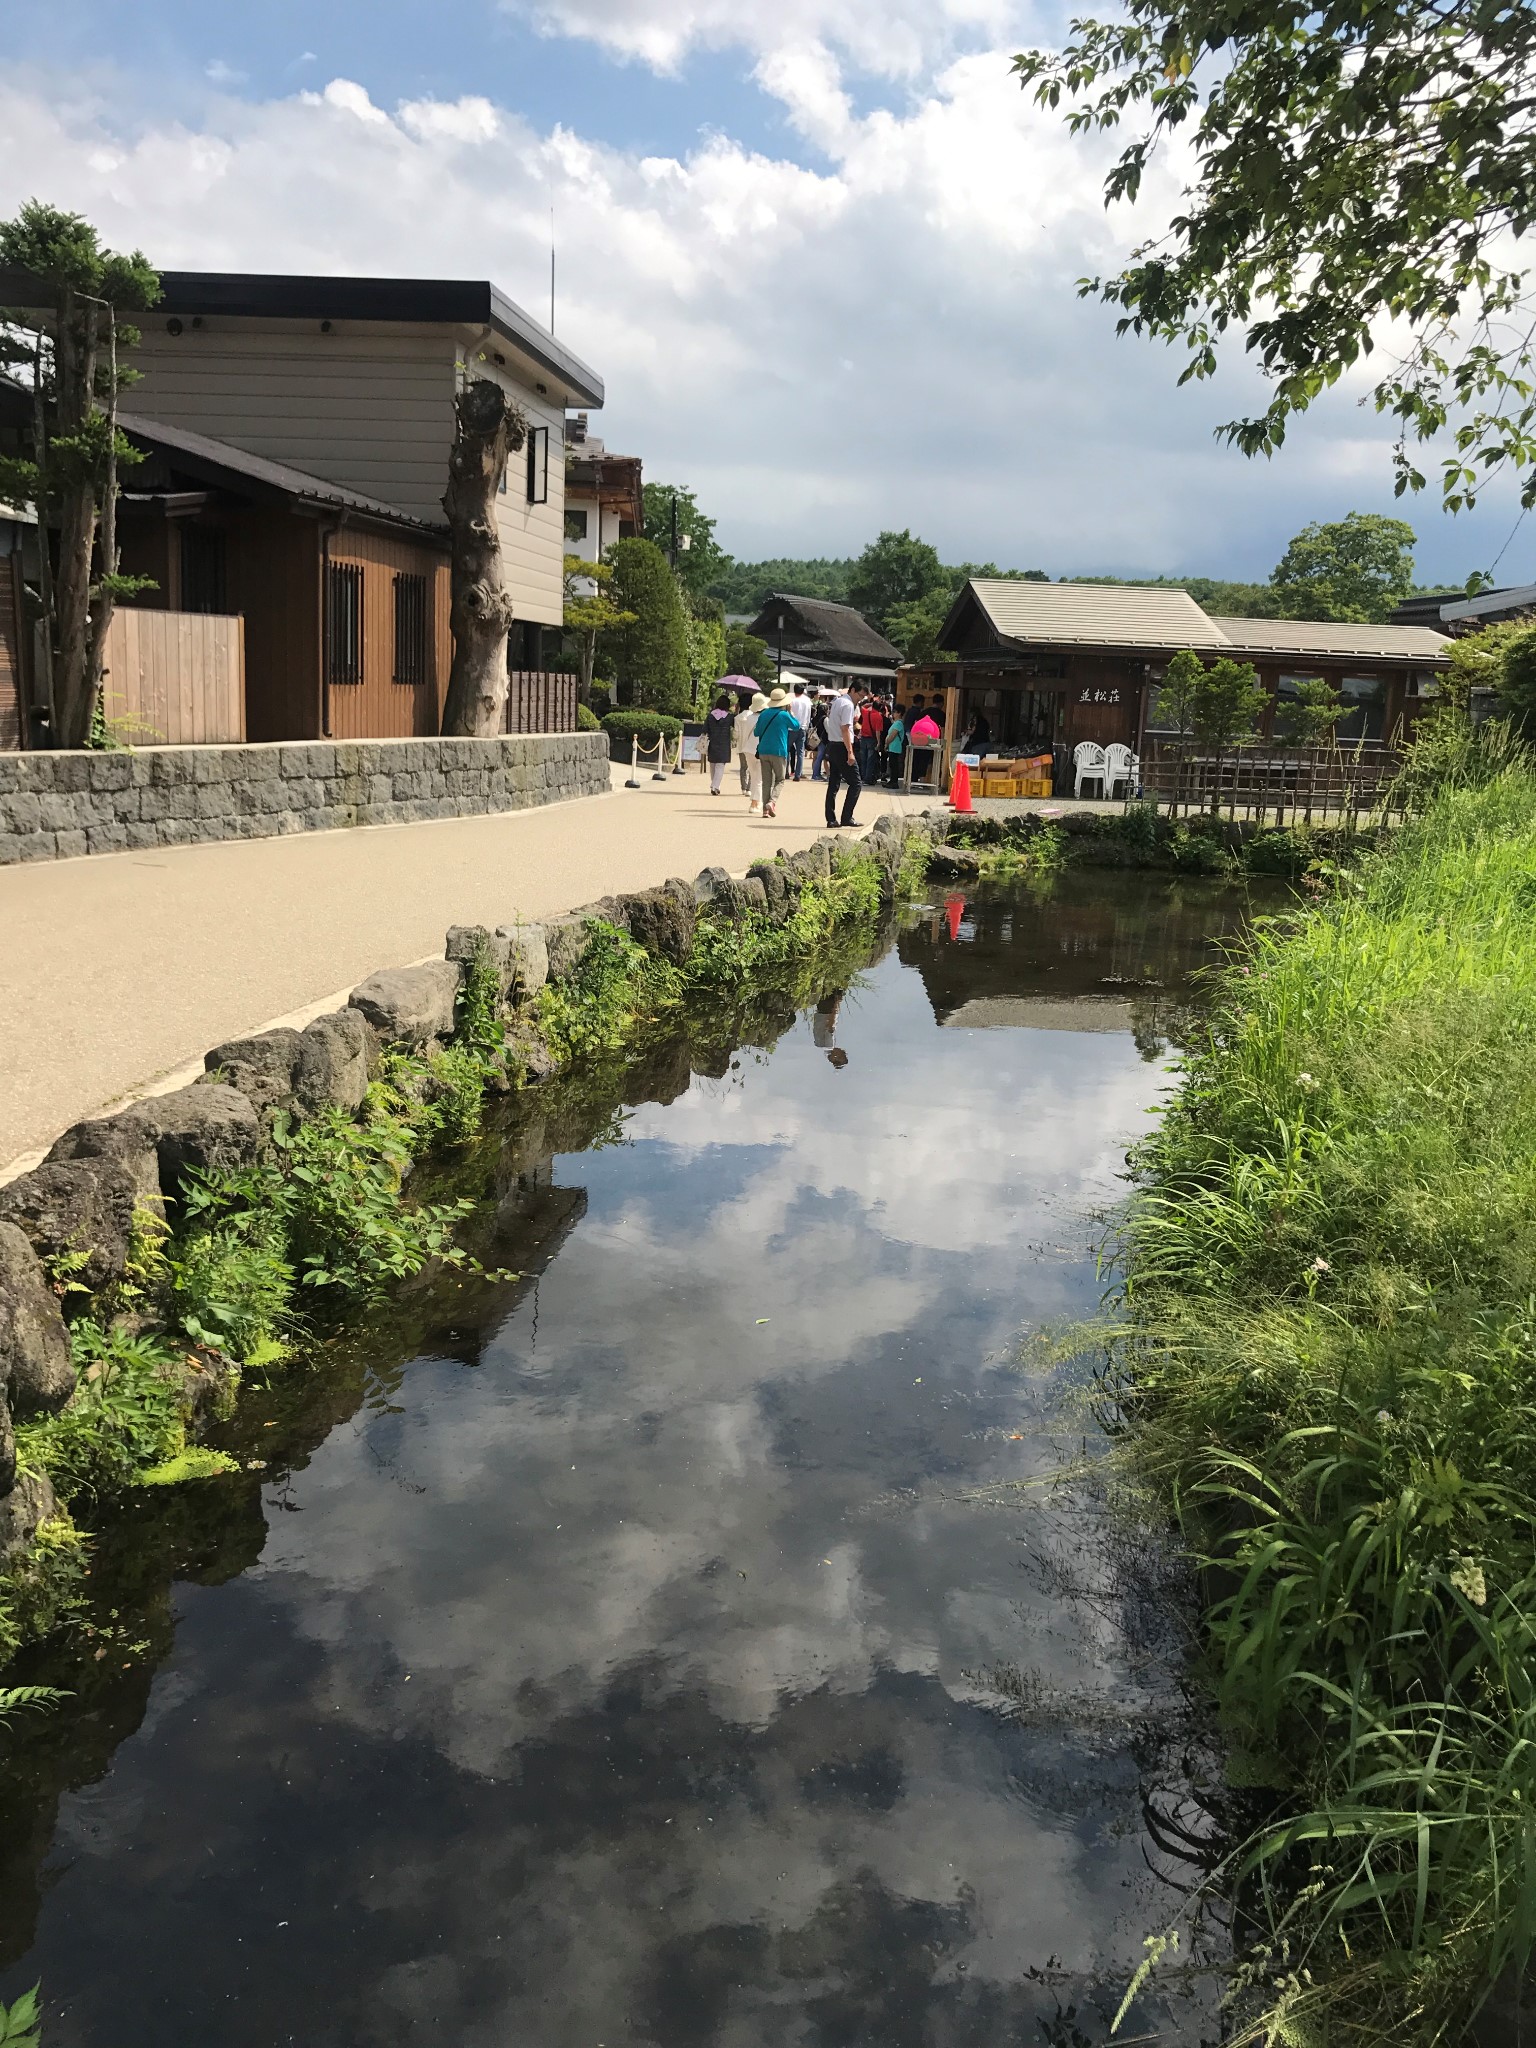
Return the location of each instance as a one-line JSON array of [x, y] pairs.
[[658, 1650]]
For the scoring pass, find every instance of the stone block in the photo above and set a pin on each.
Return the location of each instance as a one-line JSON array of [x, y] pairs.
[[22, 812], [661, 921], [85, 1205], [780, 889], [213, 800], [262, 1067], [409, 1004], [565, 943], [36, 846], [529, 957], [106, 838], [205, 1127], [70, 846], [59, 813], [36, 1374], [337, 1052], [141, 836], [463, 940], [110, 771]]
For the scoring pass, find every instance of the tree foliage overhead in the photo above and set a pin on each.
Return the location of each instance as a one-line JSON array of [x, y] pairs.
[[1358, 568], [746, 655], [1363, 163], [743, 586], [894, 571]]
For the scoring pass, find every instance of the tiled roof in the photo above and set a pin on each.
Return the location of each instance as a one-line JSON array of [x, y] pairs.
[[1324, 636], [1094, 614], [813, 625]]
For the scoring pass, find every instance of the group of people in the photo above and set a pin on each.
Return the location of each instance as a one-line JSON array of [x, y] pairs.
[[852, 735]]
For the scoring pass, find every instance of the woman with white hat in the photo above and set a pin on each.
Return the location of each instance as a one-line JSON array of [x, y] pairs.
[[746, 750], [774, 726]]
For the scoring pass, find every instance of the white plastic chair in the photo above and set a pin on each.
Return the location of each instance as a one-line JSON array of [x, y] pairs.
[[1120, 765], [1088, 766]]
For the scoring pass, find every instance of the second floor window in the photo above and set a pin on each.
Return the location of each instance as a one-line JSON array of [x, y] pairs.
[[344, 622], [576, 522], [413, 630], [538, 465]]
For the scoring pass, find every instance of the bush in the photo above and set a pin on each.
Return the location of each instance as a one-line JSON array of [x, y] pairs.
[[587, 719], [645, 726]]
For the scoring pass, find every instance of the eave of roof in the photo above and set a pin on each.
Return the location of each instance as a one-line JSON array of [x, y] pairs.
[[1326, 639], [835, 629], [201, 451], [432, 301]]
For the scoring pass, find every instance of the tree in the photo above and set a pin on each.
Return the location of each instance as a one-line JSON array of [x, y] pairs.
[[893, 571], [742, 586], [589, 610], [1366, 164], [1516, 659], [915, 627], [700, 559], [650, 653], [707, 657], [487, 428], [1215, 704], [66, 348], [746, 655], [1310, 716], [1354, 569]]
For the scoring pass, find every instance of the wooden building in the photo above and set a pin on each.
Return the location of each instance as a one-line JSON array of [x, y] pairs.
[[1048, 665], [345, 598]]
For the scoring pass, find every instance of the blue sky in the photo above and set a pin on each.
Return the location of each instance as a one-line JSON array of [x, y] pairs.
[[823, 252]]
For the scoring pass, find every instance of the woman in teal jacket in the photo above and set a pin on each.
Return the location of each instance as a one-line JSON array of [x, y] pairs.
[[773, 729]]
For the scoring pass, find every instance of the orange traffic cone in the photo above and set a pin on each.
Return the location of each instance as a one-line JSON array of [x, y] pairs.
[[954, 910], [960, 788]]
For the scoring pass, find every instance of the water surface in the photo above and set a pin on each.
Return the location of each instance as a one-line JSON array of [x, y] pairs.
[[654, 1650]]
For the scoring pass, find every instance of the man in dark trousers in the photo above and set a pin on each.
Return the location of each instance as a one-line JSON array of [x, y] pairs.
[[842, 760]]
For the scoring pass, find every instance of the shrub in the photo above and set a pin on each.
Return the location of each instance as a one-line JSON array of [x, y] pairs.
[[645, 726], [650, 653], [587, 719]]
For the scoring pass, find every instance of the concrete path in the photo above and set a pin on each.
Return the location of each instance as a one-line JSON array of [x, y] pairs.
[[119, 971]]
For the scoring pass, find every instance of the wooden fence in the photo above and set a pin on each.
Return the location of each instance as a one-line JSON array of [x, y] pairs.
[[541, 700], [1301, 783], [175, 679]]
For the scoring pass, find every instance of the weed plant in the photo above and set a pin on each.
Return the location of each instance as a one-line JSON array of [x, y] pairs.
[[1328, 1367]]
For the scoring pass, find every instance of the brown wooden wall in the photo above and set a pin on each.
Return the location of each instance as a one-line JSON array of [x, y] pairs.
[[11, 720], [273, 577], [378, 707], [174, 679]]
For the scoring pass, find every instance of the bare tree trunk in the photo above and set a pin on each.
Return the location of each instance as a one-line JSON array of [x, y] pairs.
[[75, 374], [487, 428], [588, 661], [44, 545]]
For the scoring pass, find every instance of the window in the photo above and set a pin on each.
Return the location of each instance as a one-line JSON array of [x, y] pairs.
[[344, 622], [576, 522], [413, 630], [203, 587], [538, 465]]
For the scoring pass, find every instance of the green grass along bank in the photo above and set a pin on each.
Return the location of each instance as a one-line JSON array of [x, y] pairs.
[[1324, 1367], [159, 1255]]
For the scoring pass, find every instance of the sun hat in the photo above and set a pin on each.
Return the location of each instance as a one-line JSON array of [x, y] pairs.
[[777, 697], [759, 703]]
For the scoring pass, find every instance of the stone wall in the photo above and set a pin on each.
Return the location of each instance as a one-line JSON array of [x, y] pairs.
[[54, 806]]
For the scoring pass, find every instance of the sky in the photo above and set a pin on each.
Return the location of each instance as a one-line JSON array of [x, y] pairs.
[[824, 253]]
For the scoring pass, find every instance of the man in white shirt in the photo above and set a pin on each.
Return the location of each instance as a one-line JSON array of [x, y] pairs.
[[842, 761], [800, 706]]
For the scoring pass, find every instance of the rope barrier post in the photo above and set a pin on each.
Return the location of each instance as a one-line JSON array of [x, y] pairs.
[[677, 766], [659, 772], [634, 762]]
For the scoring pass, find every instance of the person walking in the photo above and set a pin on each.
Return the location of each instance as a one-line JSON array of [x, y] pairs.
[[717, 741], [773, 730], [746, 750], [842, 760], [800, 706], [871, 733], [895, 747], [819, 736]]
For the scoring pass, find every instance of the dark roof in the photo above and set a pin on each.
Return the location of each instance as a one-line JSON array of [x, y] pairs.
[[812, 625], [440, 301], [213, 461]]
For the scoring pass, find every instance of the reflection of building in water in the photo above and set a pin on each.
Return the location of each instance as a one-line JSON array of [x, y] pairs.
[[1075, 957]]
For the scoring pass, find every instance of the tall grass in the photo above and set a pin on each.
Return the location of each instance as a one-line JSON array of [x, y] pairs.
[[1328, 1277]]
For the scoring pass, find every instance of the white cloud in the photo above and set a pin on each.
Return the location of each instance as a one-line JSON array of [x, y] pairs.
[[887, 335]]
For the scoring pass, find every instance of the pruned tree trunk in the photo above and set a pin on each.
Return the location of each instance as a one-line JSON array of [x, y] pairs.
[[75, 680], [588, 645], [488, 427]]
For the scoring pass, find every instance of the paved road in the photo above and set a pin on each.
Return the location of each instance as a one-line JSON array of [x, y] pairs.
[[119, 970]]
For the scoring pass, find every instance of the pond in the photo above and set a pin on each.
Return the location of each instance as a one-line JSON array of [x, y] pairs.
[[667, 1646]]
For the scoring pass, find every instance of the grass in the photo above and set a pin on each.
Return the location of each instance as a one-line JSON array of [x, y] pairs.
[[1327, 1367]]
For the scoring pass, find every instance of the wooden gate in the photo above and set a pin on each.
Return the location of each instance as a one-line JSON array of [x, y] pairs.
[[175, 679]]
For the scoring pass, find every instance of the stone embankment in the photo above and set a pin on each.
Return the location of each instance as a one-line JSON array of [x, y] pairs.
[[54, 806], [78, 1214]]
